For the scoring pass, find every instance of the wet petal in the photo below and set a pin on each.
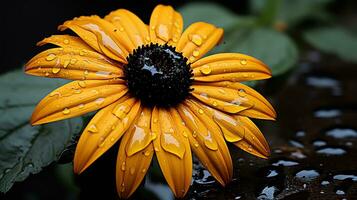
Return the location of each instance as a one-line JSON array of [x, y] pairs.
[[224, 99], [77, 98], [172, 151], [74, 64], [140, 133], [240, 131], [242, 99], [254, 141], [130, 25], [66, 41], [230, 67], [103, 131], [165, 25], [217, 161], [198, 39], [102, 36], [131, 170]]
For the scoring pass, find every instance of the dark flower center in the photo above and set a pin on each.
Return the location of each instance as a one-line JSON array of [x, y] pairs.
[[158, 75]]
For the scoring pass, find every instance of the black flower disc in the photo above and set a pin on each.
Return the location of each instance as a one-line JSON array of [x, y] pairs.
[[158, 75]]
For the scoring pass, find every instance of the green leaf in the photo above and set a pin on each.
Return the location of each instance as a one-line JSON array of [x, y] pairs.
[[25, 149], [274, 48], [293, 12], [207, 12], [334, 40]]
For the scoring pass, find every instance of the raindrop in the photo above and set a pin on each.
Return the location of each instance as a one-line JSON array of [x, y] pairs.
[[81, 105], [195, 53], [99, 100], [196, 39], [66, 63], [55, 70], [205, 69], [82, 84], [92, 128], [51, 57], [307, 175], [243, 61], [66, 111], [242, 93]]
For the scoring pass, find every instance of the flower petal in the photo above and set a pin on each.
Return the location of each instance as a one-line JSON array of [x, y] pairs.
[[74, 64], [224, 99], [172, 151], [131, 169], [104, 130], [141, 133], [239, 130], [198, 39], [130, 25], [254, 142], [77, 98], [252, 104], [66, 41], [217, 160], [101, 35], [165, 25], [230, 67]]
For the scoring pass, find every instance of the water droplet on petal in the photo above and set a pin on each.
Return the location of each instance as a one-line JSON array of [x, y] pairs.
[[121, 29], [200, 111], [132, 170], [243, 61], [99, 100], [81, 105], [66, 41], [147, 153], [55, 70], [143, 170], [242, 93], [214, 103], [83, 52], [52, 94], [123, 166], [82, 84], [66, 63], [51, 57], [184, 134], [195, 53], [92, 128], [66, 111], [206, 69], [86, 72], [196, 39], [196, 144]]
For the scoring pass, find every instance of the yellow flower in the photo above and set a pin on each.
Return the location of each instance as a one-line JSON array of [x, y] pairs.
[[155, 93]]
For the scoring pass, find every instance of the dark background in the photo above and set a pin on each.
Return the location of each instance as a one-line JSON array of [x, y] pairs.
[[25, 22]]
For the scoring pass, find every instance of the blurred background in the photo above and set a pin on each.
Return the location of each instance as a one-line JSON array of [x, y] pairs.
[[311, 46]]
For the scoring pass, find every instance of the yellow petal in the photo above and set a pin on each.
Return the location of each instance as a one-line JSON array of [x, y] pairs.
[[198, 39], [128, 24], [66, 41], [261, 108], [102, 36], [131, 170], [72, 63], [239, 130], [165, 25], [230, 67], [218, 162], [77, 98], [140, 133], [222, 98], [172, 151], [103, 131]]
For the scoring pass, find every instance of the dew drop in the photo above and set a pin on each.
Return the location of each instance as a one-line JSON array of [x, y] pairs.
[[195, 53], [200, 111], [147, 153], [86, 72], [242, 93], [83, 52], [184, 134], [66, 63], [55, 70], [214, 103], [99, 100], [123, 166], [243, 61], [51, 57], [121, 29], [196, 144], [66, 41], [81, 105], [93, 128], [66, 111], [196, 39], [47, 74], [206, 69], [143, 170], [73, 61], [52, 94], [155, 120], [82, 84]]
